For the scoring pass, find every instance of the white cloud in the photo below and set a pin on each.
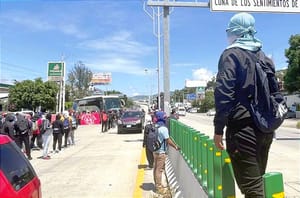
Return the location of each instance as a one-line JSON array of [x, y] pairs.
[[202, 74], [117, 64], [33, 22], [185, 64], [117, 53], [121, 42]]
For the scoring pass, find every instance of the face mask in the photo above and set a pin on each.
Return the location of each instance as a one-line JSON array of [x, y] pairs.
[[231, 38]]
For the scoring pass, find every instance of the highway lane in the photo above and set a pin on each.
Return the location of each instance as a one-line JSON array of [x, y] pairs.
[[284, 154], [105, 164], [99, 165]]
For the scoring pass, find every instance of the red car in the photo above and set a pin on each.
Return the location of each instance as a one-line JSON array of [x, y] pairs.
[[131, 121], [17, 177]]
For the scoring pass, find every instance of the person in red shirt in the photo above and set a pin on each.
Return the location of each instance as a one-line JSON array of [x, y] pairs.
[[104, 119]]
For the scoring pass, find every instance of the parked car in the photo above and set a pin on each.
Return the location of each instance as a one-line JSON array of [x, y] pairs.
[[130, 121], [17, 176], [211, 112], [193, 110], [181, 111], [291, 114]]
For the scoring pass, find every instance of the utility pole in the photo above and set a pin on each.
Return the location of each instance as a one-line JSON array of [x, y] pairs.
[[64, 84], [155, 16], [166, 22], [166, 4]]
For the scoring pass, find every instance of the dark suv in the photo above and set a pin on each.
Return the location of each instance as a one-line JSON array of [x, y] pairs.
[[17, 177]]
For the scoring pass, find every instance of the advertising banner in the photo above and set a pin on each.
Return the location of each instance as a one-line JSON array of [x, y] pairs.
[[101, 78], [195, 83]]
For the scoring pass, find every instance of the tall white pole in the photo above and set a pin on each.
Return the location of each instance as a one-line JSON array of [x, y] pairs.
[[64, 85], [166, 59], [60, 95], [155, 16], [158, 59]]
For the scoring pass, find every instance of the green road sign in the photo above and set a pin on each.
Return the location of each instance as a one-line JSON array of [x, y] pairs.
[[55, 71]]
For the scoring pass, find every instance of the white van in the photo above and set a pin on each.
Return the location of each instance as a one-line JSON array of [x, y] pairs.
[[181, 111]]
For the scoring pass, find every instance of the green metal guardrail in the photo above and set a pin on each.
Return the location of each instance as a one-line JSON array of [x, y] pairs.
[[212, 167]]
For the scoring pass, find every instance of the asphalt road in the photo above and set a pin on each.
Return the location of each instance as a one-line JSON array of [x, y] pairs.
[[284, 155], [105, 165], [100, 165]]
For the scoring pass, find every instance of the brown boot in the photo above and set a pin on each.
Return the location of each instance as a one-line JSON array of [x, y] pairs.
[[161, 190]]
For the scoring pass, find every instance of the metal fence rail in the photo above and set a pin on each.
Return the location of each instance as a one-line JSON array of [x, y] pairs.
[[212, 167]]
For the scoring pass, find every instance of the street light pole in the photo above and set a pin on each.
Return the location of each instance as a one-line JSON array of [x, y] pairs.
[[155, 16]]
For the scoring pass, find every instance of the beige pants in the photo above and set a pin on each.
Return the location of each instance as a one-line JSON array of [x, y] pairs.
[[158, 168]]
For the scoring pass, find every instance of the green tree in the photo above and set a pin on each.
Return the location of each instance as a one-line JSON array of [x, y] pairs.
[[112, 92], [211, 84], [292, 77], [79, 80], [29, 94], [208, 102]]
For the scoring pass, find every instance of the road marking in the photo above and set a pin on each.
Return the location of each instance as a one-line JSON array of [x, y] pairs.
[[138, 193]]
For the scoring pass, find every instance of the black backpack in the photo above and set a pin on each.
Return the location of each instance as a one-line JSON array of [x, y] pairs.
[[267, 105], [22, 124], [153, 143]]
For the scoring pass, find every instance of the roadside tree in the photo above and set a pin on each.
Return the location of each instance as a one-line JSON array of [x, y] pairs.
[[292, 77], [79, 79], [30, 94]]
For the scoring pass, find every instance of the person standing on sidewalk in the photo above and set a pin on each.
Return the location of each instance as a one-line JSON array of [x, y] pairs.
[[161, 154], [149, 154], [47, 136], [58, 130], [22, 128], [246, 145], [67, 122]]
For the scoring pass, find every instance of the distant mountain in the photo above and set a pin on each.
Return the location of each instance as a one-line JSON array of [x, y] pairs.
[[139, 97]]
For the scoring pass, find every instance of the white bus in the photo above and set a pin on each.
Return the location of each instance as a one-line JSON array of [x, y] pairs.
[[99, 103]]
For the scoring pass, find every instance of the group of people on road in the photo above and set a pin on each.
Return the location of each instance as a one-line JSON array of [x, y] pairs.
[[34, 132], [108, 119]]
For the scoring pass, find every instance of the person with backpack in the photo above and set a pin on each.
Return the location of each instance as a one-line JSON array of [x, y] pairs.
[[71, 138], [8, 126], [22, 129], [46, 135], [149, 154], [58, 130], [236, 96], [160, 152], [67, 126], [37, 122]]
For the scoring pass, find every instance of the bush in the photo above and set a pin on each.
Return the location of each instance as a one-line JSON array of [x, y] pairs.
[[298, 107], [298, 125]]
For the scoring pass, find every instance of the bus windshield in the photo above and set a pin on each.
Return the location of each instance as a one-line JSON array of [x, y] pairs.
[[98, 103], [112, 103]]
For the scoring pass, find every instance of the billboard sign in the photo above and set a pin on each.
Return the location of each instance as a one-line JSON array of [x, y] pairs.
[[55, 71], [195, 83], [282, 6], [101, 78]]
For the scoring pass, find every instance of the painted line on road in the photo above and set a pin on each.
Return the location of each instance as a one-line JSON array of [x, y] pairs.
[[138, 193]]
